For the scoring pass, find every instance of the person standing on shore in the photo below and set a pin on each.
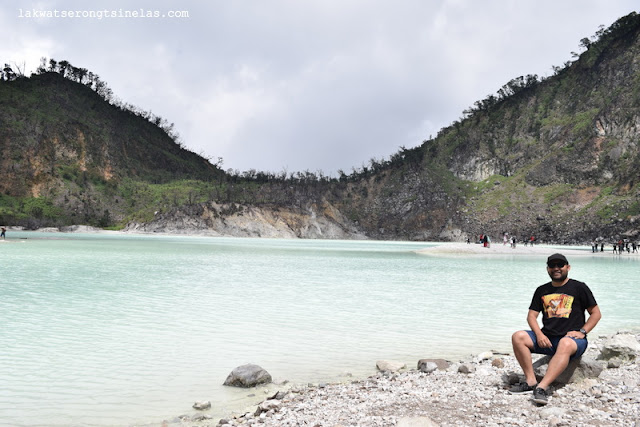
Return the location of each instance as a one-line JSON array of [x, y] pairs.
[[563, 303], [3, 234]]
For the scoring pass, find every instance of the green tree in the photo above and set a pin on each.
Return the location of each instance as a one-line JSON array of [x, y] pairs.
[[8, 74], [53, 65], [64, 68]]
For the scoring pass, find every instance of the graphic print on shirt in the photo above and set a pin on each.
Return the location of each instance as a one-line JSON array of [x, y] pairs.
[[557, 305]]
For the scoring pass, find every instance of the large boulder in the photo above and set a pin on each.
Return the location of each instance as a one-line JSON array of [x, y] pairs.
[[248, 376], [578, 369], [624, 347]]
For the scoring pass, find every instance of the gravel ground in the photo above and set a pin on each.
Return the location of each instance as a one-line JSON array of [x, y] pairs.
[[451, 397]]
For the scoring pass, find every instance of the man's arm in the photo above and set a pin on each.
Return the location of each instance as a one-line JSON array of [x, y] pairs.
[[532, 320], [592, 321], [594, 318]]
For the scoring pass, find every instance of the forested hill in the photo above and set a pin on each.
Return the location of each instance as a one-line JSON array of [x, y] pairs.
[[66, 149], [553, 157], [50, 123]]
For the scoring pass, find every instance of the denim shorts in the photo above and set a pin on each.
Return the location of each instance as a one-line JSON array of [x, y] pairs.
[[581, 342]]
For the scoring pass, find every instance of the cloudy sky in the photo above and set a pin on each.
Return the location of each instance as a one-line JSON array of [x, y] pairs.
[[319, 85]]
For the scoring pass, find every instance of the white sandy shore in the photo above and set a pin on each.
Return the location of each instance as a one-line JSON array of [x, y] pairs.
[[443, 248], [500, 249]]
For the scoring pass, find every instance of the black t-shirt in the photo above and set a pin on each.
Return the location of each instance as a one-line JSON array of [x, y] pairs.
[[562, 307]]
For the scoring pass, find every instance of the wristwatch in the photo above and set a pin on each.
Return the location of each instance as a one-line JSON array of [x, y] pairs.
[[583, 331]]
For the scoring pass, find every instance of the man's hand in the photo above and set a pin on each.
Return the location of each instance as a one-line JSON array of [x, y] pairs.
[[575, 334], [543, 341]]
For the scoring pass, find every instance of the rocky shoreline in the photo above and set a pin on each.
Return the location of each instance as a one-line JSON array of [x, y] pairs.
[[470, 392]]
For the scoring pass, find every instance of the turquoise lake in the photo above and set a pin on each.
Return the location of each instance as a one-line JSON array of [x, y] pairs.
[[119, 330]]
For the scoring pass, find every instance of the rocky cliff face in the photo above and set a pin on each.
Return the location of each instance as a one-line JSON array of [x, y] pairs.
[[315, 221]]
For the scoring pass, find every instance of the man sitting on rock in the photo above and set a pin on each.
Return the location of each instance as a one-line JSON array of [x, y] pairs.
[[563, 336]]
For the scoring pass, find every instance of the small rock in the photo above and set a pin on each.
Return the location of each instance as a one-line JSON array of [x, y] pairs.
[[427, 367], [484, 356], [551, 411], [484, 370], [279, 395], [497, 363], [268, 405], [513, 378], [555, 422], [614, 363], [466, 369], [389, 366], [442, 364], [201, 406], [201, 417], [415, 422]]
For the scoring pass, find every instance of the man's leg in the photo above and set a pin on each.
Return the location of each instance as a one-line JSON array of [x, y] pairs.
[[522, 347], [567, 347]]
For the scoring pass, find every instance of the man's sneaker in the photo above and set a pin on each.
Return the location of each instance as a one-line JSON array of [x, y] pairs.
[[522, 387], [540, 396]]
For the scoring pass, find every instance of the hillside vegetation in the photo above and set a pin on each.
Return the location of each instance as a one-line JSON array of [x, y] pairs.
[[556, 158]]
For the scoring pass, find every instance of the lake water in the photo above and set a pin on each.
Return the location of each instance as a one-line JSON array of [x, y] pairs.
[[113, 329]]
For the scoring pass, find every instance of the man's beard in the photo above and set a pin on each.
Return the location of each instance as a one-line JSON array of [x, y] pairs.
[[563, 276]]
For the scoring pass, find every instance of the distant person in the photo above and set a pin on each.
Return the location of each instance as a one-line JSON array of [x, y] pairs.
[[615, 248], [634, 247], [563, 336], [513, 242], [602, 247], [3, 234]]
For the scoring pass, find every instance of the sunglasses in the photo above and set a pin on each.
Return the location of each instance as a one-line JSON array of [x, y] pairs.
[[558, 264]]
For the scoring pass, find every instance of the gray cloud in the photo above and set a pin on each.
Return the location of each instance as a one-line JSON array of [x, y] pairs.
[[316, 84]]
